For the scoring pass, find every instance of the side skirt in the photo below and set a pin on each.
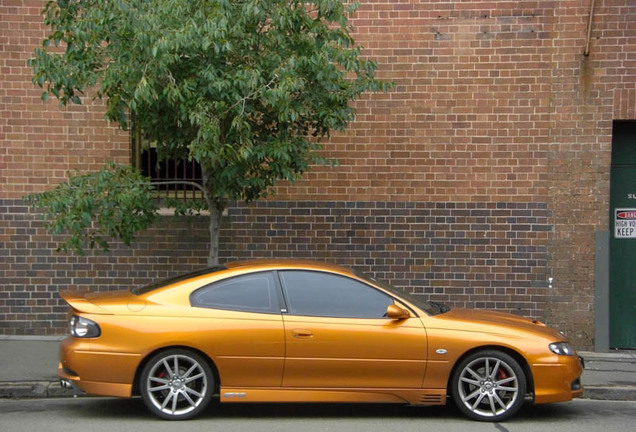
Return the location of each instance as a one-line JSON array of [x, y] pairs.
[[419, 397]]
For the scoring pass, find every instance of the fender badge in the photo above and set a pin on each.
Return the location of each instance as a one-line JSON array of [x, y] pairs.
[[441, 351]]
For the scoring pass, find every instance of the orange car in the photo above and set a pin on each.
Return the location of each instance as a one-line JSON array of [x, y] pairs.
[[289, 331]]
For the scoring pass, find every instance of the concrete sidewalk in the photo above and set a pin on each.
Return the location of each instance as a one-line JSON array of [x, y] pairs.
[[29, 366], [610, 376]]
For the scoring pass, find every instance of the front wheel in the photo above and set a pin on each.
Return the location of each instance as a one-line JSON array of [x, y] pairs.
[[488, 386], [177, 384]]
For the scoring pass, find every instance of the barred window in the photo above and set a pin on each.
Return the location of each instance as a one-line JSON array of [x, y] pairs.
[[165, 174]]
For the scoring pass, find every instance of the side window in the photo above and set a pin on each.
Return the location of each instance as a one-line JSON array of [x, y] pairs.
[[324, 294], [254, 292]]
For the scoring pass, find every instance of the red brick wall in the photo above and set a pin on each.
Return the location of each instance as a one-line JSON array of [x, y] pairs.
[[497, 125], [40, 141], [469, 117], [588, 93]]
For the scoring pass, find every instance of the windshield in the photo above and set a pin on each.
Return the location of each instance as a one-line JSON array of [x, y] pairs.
[[165, 282], [431, 308]]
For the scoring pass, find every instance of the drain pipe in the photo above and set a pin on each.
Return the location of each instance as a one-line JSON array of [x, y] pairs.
[[589, 30]]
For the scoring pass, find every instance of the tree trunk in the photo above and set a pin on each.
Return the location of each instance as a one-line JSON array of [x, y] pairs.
[[215, 226], [216, 206]]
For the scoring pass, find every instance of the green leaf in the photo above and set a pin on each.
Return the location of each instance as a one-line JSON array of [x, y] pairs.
[[114, 202], [248, 89]]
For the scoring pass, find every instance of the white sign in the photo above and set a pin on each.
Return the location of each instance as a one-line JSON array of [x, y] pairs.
[[625, 223]]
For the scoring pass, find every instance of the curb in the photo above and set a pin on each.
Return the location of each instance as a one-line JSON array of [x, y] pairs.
[[33, 390], [52, 389], [611, 393], [618, 356]]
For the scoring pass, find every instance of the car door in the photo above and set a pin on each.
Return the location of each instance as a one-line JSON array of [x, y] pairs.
[[336, 335], [244, 333]]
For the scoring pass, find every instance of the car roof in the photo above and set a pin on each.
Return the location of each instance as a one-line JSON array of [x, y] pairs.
[[287, 264], [243, 267]]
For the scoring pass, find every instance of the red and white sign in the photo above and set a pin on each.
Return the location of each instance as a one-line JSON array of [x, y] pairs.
[[626, 214], [625, 223]]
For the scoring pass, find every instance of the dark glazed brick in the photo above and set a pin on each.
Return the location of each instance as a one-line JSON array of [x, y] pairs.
[[453, 252], [538, 228]]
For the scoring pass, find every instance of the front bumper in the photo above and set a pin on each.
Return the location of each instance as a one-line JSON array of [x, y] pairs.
[[559, 381]]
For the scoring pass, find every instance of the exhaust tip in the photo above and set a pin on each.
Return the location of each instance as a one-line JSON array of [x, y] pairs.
[[66, 383]]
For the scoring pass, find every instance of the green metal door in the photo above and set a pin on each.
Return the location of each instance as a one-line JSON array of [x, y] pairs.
[[623, 236]]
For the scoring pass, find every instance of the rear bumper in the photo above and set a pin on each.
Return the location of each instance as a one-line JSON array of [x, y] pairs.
[[68, 384], [96, 388], [96, 373]]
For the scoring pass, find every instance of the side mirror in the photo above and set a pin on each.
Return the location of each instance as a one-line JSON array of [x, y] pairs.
[[397, 313]]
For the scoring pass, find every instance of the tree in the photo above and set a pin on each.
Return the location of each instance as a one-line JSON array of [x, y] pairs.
[[247, 88]]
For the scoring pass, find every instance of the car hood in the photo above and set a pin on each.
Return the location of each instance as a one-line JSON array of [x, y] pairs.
[[493, 322]]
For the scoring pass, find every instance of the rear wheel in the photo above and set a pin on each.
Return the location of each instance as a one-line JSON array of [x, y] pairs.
[[488, 386], [177, 384]]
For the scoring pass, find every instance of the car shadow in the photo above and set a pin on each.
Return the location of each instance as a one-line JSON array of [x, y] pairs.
[[135, 409]]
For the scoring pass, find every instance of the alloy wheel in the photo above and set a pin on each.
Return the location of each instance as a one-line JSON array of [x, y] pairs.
[[489, 386], [176, 384]]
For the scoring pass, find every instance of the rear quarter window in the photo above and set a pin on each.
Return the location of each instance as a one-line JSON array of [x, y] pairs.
[[254, 292]]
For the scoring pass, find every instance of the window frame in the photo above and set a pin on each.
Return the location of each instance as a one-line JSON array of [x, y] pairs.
[[285, 297], [275, 293]]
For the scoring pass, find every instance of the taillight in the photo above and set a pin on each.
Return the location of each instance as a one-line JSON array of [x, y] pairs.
[[81, 327]]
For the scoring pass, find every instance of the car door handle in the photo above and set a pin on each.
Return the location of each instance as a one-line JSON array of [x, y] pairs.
[[301, 333]]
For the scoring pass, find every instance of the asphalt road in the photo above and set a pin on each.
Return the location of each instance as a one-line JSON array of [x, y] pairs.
[[119, 415]]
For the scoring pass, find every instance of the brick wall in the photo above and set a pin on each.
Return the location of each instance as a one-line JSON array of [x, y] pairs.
[[485, 255], [42, 142], [588, 93], [497, 126], [32, 273]]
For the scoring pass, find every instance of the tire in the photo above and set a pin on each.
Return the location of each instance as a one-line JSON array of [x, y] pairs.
[[488, 386], [177, 384]]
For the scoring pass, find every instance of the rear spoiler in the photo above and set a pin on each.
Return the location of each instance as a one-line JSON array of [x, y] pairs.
[[78, 301]]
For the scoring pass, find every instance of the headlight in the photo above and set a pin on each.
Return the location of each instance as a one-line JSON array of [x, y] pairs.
[[561, 348], [83, 327]]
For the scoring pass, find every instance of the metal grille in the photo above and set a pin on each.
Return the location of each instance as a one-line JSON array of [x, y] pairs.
[[147, 161]]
